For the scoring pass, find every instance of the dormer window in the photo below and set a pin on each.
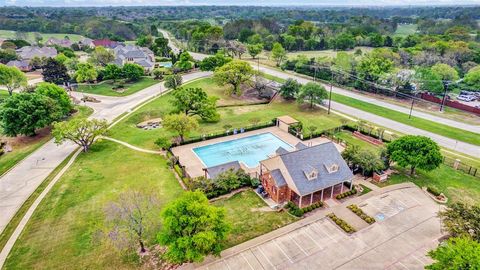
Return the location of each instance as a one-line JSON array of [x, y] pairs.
[[311, 175], [332, 168]]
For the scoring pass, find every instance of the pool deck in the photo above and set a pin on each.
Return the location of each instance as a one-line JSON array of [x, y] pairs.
[[194, 165]]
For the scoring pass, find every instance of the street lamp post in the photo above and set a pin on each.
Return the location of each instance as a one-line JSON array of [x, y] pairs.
[[445, 85], [411, 109]]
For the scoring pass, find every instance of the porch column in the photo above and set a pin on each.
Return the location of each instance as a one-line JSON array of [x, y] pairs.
[[341, 189], [351, 184], [300, 202], [311, 198], [331, 193], [321, 198]]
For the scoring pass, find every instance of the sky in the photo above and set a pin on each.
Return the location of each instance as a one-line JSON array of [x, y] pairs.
[[235, 2]]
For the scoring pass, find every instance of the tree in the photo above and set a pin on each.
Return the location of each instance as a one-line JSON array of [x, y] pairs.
[[185, 61], [195, 101], [312, 92], [428, 81], [278, 53], [472, 78], [456, 253], [372, 67], [102, 56], [163, 142], [157, 73], [461, 219], [160, 47], [58, 94], [131, 220], [416, 152], [446, 72], [344, 41], [55, 72], [7, 56], [254, 49], [132, 72], [173, 81], [234, 73], [24, 113], [112, 72], [192, 228], [181, 124], [290, 89], [212, 62], [82, 132], [12, 78], [85, 73], [368, 160]]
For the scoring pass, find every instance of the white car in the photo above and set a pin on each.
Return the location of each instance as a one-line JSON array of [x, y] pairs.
[[467, 98]]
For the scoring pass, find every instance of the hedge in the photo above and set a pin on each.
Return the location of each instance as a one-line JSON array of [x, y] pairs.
[[298, 212], [351, 192], [341, 223], [359, 212]]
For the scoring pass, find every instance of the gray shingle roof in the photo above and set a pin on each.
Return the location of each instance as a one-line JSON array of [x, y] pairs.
[[316, 158], [281, 151], [278, 178], [300, 146], [214, 171]]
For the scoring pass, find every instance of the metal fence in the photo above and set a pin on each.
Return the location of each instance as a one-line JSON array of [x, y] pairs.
[[458, 165]]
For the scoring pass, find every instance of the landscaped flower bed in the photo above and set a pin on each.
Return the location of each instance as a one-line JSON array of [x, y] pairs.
[[298, 212], [359, 212], [341, 223], [435, 194], [346, 194]]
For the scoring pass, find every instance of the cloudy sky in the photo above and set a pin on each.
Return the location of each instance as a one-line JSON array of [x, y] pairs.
[[235, 2]]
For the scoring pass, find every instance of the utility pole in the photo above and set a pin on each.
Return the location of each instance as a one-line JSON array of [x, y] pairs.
[[314, 72], [411, 109], [445, 85], [331, 86]]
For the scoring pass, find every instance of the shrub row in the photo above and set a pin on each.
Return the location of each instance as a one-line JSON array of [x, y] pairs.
[[298, 212], [359, 212], [433, 191], [341, 223], [346, 194]]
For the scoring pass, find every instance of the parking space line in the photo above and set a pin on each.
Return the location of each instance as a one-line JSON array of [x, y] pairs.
[[406, 193], [297, 244], [284, 253], [243, 256], [228, 266], [319, 227], [263, 254], [403, 265], [306, 233]]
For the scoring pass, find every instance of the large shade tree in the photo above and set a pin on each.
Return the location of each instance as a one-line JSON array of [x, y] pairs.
[[12, 78], [82, 132], [455, 254], [313, 93], [415, 152], [290, 89], [195, 101], [234, 73], [192, 228], [55, 72], [58, 94], [181, 124]]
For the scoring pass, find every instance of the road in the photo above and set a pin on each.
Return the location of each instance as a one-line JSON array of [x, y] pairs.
[[20, 182]]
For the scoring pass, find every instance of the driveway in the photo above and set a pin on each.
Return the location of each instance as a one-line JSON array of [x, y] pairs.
[[406, 228], [22, 180]]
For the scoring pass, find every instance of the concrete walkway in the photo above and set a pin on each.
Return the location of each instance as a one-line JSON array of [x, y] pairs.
[[23, 179], [133, 147]]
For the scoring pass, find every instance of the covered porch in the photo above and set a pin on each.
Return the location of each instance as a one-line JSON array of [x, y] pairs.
[[320, 195]]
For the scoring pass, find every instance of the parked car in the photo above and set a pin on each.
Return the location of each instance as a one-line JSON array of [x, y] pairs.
[[467, 98]]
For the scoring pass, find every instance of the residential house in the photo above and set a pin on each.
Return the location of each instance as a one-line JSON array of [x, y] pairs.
[[29, 52], [306, 175], [66, 43], [134, 54], [86, 43], [107, 43], [23, 65]]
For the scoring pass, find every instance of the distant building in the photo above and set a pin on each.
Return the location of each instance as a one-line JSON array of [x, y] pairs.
[[66, 43], [86, 43], [134, 54], [29, 52], [23, 65], [306, 175], [107, 43]]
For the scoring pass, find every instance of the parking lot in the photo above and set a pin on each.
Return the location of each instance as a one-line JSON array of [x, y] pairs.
[[406, 228]]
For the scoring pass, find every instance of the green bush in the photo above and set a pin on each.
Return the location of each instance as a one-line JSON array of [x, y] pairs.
[[341, 223], [346, 194], [359, 212]]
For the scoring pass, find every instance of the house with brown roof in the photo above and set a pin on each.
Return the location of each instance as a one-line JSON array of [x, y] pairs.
[[29, 52], [305, 175]]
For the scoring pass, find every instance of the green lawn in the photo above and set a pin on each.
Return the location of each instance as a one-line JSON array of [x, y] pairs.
[[250, 217], [62, 233], [105, 87], [440, 129], [406, 29], [24, 146], [7, 34], [3, 94], [348, 137], [456, 185], [238, 117]]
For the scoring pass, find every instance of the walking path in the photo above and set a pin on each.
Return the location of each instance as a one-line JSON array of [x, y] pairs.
[[134, 147], [23, 179]]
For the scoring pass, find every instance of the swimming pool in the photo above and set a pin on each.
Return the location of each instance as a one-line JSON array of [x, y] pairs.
[[249, 150]]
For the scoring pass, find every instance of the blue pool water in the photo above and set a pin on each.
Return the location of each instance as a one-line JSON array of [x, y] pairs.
[[249, 150]]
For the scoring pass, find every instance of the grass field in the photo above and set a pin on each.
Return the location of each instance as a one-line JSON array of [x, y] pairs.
[[3, 94], [238, 117], [62, 232], [437, 128], [7, 34], [24, 146], [105, 88], [250, 217], [406, 29]]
